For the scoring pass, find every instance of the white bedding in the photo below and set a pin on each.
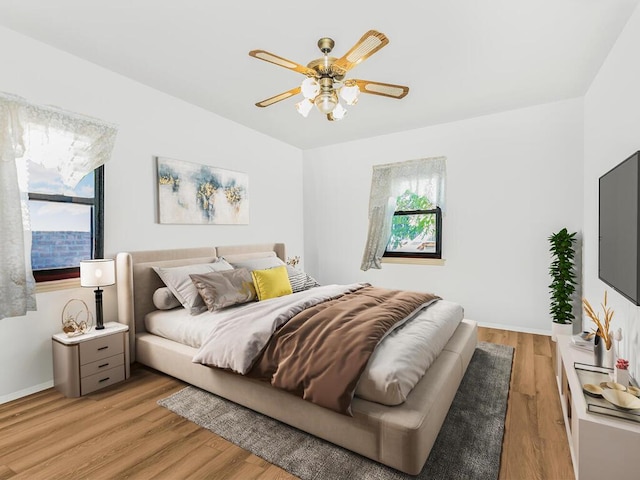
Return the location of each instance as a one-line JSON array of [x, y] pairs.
[[396, 366]]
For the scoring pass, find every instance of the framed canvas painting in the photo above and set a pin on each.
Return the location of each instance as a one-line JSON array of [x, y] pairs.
[[191, 193]]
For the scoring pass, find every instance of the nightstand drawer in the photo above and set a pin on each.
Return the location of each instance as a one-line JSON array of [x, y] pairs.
[[102, 379], [101, 365], [101, 347]]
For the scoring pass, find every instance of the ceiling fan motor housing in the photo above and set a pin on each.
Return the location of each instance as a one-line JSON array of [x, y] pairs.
[[326, 44]]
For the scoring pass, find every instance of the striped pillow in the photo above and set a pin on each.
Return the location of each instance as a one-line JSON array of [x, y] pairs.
[[300, 280]]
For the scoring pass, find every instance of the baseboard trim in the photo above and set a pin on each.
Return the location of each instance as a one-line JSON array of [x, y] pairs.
[[499, 326], [27, 391]]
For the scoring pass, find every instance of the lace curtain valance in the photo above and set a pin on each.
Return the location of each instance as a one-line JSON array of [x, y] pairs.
[[72, 144], [425, 177]]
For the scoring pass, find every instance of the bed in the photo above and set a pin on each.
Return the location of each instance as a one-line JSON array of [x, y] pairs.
[[398, 436]]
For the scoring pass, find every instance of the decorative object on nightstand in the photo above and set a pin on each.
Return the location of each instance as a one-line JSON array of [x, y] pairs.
[[98, 273], [76, 318], [603, 342], [293, 261]]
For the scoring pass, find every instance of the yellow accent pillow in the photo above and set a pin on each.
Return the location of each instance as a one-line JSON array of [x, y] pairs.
[[271, 283]]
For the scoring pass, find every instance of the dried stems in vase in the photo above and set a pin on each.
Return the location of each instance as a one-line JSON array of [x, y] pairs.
[[603, 327]]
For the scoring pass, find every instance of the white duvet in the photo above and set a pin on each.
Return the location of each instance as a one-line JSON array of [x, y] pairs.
[[395, 367]]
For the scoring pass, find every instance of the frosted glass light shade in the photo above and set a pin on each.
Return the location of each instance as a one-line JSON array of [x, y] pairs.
[[326, 102], [339, 112], [350, 94], [97, 273], [310, 88], [304, 107]]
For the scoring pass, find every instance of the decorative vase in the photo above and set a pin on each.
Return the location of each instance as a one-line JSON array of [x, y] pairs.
[[609, 359], [601, 356], [622, 376]]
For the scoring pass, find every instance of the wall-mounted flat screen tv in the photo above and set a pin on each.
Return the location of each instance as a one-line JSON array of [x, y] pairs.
[[618, 251]]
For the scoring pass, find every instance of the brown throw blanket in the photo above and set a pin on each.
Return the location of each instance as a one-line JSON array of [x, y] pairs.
[[321, 352]]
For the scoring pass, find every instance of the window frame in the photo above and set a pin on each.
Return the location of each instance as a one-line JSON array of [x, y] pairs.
[[438, 253], [97, 226]]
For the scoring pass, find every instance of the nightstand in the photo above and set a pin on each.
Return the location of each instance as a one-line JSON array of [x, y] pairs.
[[92, 361]]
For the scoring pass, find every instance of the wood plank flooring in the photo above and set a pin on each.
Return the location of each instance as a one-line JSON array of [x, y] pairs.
[[121, 432]]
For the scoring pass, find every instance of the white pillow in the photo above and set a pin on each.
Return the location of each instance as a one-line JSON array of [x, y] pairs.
[[163, 299], [178, 281], [252, 264]]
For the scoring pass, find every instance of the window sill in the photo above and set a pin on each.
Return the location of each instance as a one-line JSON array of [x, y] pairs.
[[55, 285], [414, 261]]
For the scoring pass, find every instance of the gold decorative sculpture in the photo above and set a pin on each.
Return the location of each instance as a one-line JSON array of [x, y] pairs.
[[76, 318]]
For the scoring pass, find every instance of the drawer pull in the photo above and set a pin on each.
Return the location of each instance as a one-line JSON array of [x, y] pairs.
[[103, 380], [103, 365], [103, 348]]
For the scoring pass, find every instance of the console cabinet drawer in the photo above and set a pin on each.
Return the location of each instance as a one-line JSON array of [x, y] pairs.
[[101, 379], [101, 347]]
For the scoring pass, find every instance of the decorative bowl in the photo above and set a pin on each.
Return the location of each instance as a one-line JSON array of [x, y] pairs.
[[613, 386], [593, 390], [621, 399]]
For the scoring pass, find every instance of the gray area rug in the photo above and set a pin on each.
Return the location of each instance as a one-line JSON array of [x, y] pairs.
[[468, 446]]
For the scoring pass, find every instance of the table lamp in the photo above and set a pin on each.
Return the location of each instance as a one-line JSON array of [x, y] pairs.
[[98, 273]]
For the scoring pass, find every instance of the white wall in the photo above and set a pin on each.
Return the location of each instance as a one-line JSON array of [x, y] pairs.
[[611, 134], [512, 179], [150, 123]]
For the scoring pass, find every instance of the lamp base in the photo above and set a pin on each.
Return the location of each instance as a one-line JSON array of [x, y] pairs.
[[99, 321]]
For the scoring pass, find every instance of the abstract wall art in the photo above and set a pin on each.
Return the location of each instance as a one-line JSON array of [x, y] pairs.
[[191, 193]]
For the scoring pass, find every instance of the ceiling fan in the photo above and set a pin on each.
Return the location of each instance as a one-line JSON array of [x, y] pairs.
[[326, 83]]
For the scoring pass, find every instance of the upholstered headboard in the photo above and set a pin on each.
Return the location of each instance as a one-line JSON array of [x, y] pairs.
[[136, 279]]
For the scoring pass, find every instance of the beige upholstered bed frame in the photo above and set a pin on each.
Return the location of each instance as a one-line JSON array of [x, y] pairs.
[[400, 436]]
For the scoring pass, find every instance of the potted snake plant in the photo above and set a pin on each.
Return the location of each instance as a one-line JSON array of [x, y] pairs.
[[563, 282]]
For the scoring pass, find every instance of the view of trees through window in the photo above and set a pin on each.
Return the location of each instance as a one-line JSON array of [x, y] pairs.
[[414, 228]]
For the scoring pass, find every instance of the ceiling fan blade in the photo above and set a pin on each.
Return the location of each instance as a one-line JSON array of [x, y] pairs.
[[369, 44], [384, 89], [279, 97], [282, 62]]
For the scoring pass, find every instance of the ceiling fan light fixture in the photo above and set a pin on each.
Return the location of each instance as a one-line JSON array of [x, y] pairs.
[[310, 88], [304, 107], [326, 102], [350, 93]]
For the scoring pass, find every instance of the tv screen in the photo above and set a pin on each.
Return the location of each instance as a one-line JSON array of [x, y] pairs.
[[618, 228]]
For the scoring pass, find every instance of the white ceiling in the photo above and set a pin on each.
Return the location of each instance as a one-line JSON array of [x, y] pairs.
[[460, 58]]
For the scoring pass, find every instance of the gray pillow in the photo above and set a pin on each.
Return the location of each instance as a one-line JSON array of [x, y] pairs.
[[224, 289], [178, 281], [163, 299], [252, 264]]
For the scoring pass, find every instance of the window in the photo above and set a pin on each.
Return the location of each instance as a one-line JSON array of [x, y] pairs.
[[416, 228], [405, 211], [72, 144], [66, 223]]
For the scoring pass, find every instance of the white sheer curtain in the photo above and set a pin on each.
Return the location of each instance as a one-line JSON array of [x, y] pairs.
[[72, 144], [425, 176]]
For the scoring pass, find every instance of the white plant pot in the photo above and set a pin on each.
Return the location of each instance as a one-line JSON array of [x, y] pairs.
[[560, 329]]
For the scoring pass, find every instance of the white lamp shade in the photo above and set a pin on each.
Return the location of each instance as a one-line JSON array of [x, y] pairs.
[[97, 273], [304, 107], [350, 94], [310, 88], [339, 112]]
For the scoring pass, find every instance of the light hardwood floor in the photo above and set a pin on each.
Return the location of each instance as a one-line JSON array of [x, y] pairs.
[[122, 433]]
